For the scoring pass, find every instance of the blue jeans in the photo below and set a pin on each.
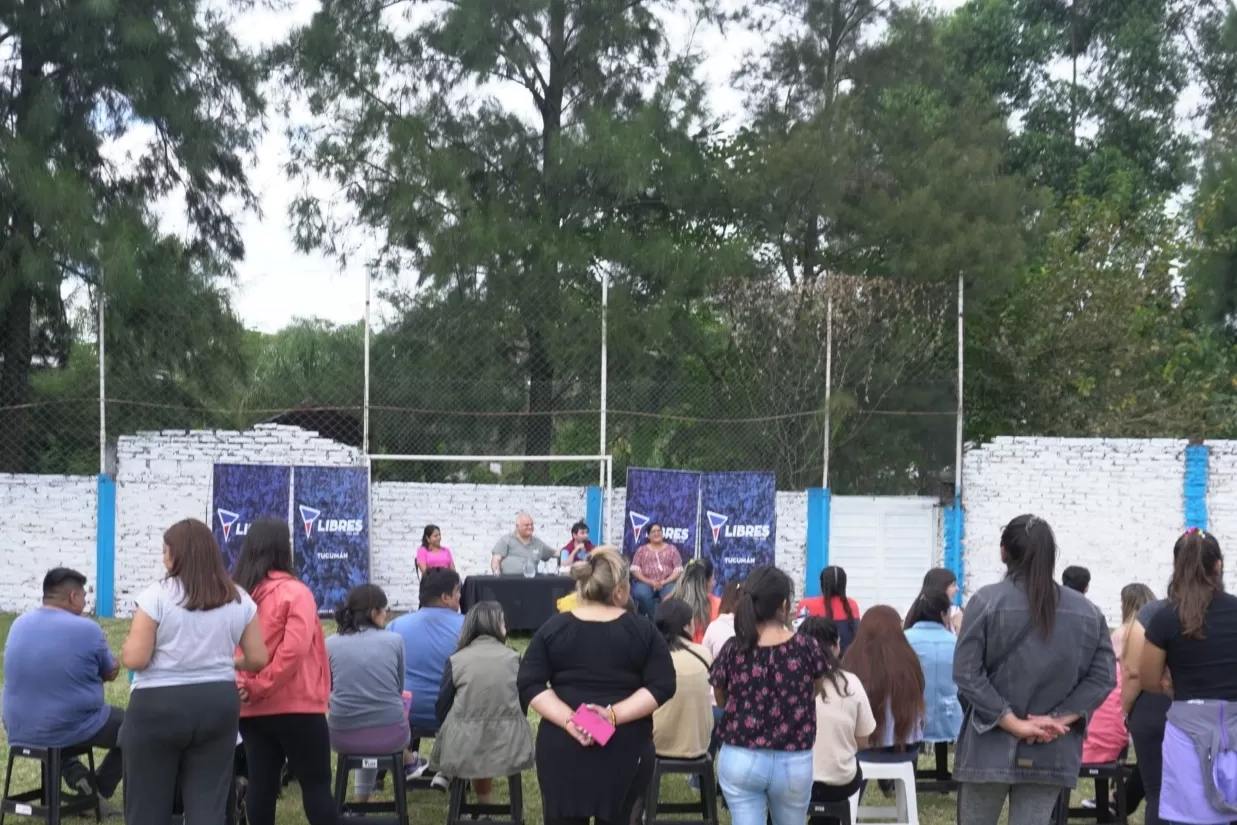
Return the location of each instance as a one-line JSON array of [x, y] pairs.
[[647, 598], [760, 783]]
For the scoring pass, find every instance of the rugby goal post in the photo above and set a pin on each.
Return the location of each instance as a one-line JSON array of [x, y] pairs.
[[606, 462]]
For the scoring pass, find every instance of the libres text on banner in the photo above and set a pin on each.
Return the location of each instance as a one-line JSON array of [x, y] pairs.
[[670, 498], [330, 530], [740, 523], [244, 493]]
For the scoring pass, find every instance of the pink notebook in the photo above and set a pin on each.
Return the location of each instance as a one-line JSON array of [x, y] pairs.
[[600, 729]]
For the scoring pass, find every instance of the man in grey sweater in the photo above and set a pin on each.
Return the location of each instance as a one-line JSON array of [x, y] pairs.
[[515, 551]]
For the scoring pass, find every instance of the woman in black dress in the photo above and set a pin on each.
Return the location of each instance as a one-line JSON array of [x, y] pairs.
[[614, 661]]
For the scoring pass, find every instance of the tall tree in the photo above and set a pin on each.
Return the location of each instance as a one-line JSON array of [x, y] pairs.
[[507, 152], [1111, 113], [77, 76]]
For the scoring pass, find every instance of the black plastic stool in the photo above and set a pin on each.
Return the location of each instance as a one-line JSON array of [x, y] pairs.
[[705, 809], [938, 779], [1113, 772], [836, 810], [345, 764], [460, 810], [50, 807]]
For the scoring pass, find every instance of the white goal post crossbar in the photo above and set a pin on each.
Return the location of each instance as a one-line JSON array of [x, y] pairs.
[[606, 461]]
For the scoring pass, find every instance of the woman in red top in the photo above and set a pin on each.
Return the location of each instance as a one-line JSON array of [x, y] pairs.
[[832, 603], [283, 706], [696, 588]]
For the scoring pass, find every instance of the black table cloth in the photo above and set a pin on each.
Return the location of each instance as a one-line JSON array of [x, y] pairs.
[[527, 603]]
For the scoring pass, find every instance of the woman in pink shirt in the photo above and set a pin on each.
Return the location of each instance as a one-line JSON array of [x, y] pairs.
[[431, 553], [656, 567]]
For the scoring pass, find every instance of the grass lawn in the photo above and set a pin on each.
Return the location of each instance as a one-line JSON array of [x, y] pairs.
[[430, 807]]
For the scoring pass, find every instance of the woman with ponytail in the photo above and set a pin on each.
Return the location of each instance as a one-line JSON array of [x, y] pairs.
[[833, 603], [367, 713], [1033, 661], [1196, 637], [765, 679]]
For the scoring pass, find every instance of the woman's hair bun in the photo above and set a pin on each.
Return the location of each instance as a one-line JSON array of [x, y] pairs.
[[581, 571]]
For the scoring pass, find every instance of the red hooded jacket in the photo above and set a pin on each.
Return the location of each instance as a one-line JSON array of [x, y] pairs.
[[297, 679]]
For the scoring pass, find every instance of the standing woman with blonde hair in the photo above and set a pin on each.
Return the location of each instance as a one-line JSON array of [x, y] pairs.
[[605, 657]]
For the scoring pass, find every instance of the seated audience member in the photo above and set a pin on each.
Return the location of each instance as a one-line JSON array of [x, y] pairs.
[[656, 567], [889, 671], [431, 553], [844, 722], [430, 635], [55, 663], [832, 603], [683, 726], [578, 548], [1077, 578], [696, 589], [939, 579], [483, 728], [721, 629], [1107, 736], [367, 682], [517, 552], [929, 635]]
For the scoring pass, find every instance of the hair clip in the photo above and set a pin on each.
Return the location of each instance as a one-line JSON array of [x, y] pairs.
[[1193, 530], [1031, 521]]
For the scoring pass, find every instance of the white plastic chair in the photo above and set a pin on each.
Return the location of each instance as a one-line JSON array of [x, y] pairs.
[[903, 775]]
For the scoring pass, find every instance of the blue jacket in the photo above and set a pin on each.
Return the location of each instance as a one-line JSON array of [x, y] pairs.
[[934, 645]]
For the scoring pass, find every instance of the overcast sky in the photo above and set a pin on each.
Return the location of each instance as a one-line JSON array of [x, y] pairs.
[[278, 284]]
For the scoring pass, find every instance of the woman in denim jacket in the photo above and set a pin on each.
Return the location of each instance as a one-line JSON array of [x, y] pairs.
[[934, 644], [1033, 661]]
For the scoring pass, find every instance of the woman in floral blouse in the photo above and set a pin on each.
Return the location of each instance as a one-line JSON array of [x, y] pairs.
[[656, 567], [765, 679]]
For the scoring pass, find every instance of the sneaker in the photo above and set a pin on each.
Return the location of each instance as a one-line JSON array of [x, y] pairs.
[[1089, 804], [441, 782], [82, 785], [416, 767]]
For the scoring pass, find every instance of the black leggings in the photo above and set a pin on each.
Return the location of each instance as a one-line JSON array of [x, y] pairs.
[[1146, 723], [304, 741]]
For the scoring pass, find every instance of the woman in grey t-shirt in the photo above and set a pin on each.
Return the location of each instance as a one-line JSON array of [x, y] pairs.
[[184, 708]]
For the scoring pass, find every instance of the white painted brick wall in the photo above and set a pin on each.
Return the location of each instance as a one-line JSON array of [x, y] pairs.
[[46, 521], [1222, 503], [1115, 506]]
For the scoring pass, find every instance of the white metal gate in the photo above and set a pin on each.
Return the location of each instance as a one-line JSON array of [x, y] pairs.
[[885, 544]]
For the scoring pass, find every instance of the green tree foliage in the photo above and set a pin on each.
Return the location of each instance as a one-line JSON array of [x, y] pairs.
[[506, 153], [75, 78]]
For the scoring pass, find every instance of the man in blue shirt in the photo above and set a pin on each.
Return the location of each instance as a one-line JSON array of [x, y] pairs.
[[55, 664], [430, 636]]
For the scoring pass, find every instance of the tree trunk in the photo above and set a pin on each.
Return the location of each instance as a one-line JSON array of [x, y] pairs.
[[17, 314], [539, 432], [15, 318]]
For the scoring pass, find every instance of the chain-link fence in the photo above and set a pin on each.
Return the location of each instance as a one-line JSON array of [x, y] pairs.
[[736, 379]]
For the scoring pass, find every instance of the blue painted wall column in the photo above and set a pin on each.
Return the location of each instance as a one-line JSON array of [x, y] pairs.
[[955, 526], [105, 549], [594, 514], [819, 501], [1197, 461]]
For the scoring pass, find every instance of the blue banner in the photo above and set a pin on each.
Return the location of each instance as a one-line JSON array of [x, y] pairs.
[[244, 493], [330, 531], [670, 498], [740, 521]]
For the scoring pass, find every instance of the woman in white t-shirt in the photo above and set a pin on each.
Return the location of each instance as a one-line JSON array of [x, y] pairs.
[[844, 721], [180, 726]]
